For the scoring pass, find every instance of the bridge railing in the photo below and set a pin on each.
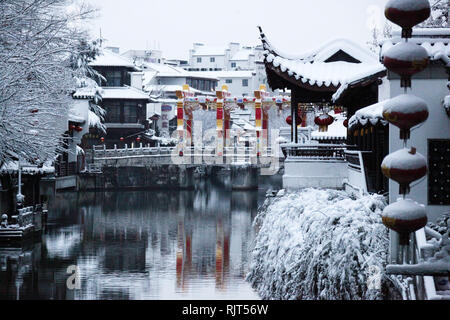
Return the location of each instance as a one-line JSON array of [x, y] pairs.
[[230, 154]]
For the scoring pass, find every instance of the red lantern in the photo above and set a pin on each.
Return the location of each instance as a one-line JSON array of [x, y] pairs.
[[122, 139], [404, 216], [71, 127], [345, 123], [407, 14], [181, 153], [138, 139], [102, 139], [34, 110], [289, 120], [404, 166], [405, 111], [406, 59], [78, 129], [323, 121], [337, 110], [298, 119]]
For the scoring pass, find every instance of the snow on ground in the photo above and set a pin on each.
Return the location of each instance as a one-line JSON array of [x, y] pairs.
[[320, 244]]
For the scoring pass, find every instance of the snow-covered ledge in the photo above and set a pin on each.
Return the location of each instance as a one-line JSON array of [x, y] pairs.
[[302, 173]]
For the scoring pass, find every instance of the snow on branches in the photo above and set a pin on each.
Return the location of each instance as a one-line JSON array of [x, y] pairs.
[[37, 40], [320, 244]]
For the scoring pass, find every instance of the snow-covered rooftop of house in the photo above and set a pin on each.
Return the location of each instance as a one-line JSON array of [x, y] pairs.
[[124, 93], [210, 51], [372, 113], [434, 40], [312, 67], [325, 73], [78, 111], [242, 55], [10, 167], [224, 74], [95, 122], [168, 88], [110, 59]]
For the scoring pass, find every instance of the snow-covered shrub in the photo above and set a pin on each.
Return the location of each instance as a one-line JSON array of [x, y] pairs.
[[320, 244]]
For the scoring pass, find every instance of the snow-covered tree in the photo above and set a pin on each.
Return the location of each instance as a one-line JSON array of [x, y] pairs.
[[37, 40], [439, 15]]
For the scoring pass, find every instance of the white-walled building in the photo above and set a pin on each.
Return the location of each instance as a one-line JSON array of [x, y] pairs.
[[239, 67]]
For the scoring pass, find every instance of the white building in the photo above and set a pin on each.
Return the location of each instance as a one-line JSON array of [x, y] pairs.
[[241, 68], [144, 56]]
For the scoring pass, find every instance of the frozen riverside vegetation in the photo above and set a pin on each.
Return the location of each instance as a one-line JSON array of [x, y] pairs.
[[321, 244]]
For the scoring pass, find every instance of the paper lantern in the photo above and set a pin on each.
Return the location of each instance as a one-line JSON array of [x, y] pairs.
[[138, 139], [404, 216], [407, 14], [102, 139], [78, 129], [121, 139], [323, 121], [405, 111], [404, 166], [406, 59]]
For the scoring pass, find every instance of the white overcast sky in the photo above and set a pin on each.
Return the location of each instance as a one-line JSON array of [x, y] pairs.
[[293, 26]]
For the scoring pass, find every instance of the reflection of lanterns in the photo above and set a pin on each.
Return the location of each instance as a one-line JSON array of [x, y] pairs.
[[404, 216], [323, 121], [345, 123], [405, 111], [407, 13], [404, 166], [406, 59]]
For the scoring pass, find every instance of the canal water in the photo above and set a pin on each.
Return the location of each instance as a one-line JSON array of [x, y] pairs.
[[151, 244]]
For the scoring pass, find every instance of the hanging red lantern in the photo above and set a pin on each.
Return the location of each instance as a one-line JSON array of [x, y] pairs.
[[337, 110], [138, 139], [345, 123], [406, 59], [323, 121], [404, 216], [404, 166], [121, 139], [405, 111], [289, 120], [78, 129], [71, 127], [298, 119], [407, 14], [102, 139]]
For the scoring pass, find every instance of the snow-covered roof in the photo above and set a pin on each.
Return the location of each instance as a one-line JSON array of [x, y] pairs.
[[168, 88], [124, 93], [224, 74], [242, 55], [95, 122], [315, 69], [210, 51], [78, 111], [110, 59], [336, 130], [372, 113], [11, 167], [84, 93], [153, 70], [434, 40]]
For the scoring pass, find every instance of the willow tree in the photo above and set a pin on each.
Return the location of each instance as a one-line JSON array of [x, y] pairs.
[[37, 40]]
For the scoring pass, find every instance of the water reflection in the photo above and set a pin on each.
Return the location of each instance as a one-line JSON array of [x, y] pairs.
[[138, 245]]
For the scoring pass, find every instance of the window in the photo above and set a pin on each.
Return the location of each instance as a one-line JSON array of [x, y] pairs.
[[245, 82], [229, 81], [199, 60], [439, 172], [112, 112], [113, 78], [130, 112], [233, 64], [212, 59]]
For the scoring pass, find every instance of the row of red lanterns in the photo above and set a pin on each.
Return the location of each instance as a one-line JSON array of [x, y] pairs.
[[75, 128], [405, 112]]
